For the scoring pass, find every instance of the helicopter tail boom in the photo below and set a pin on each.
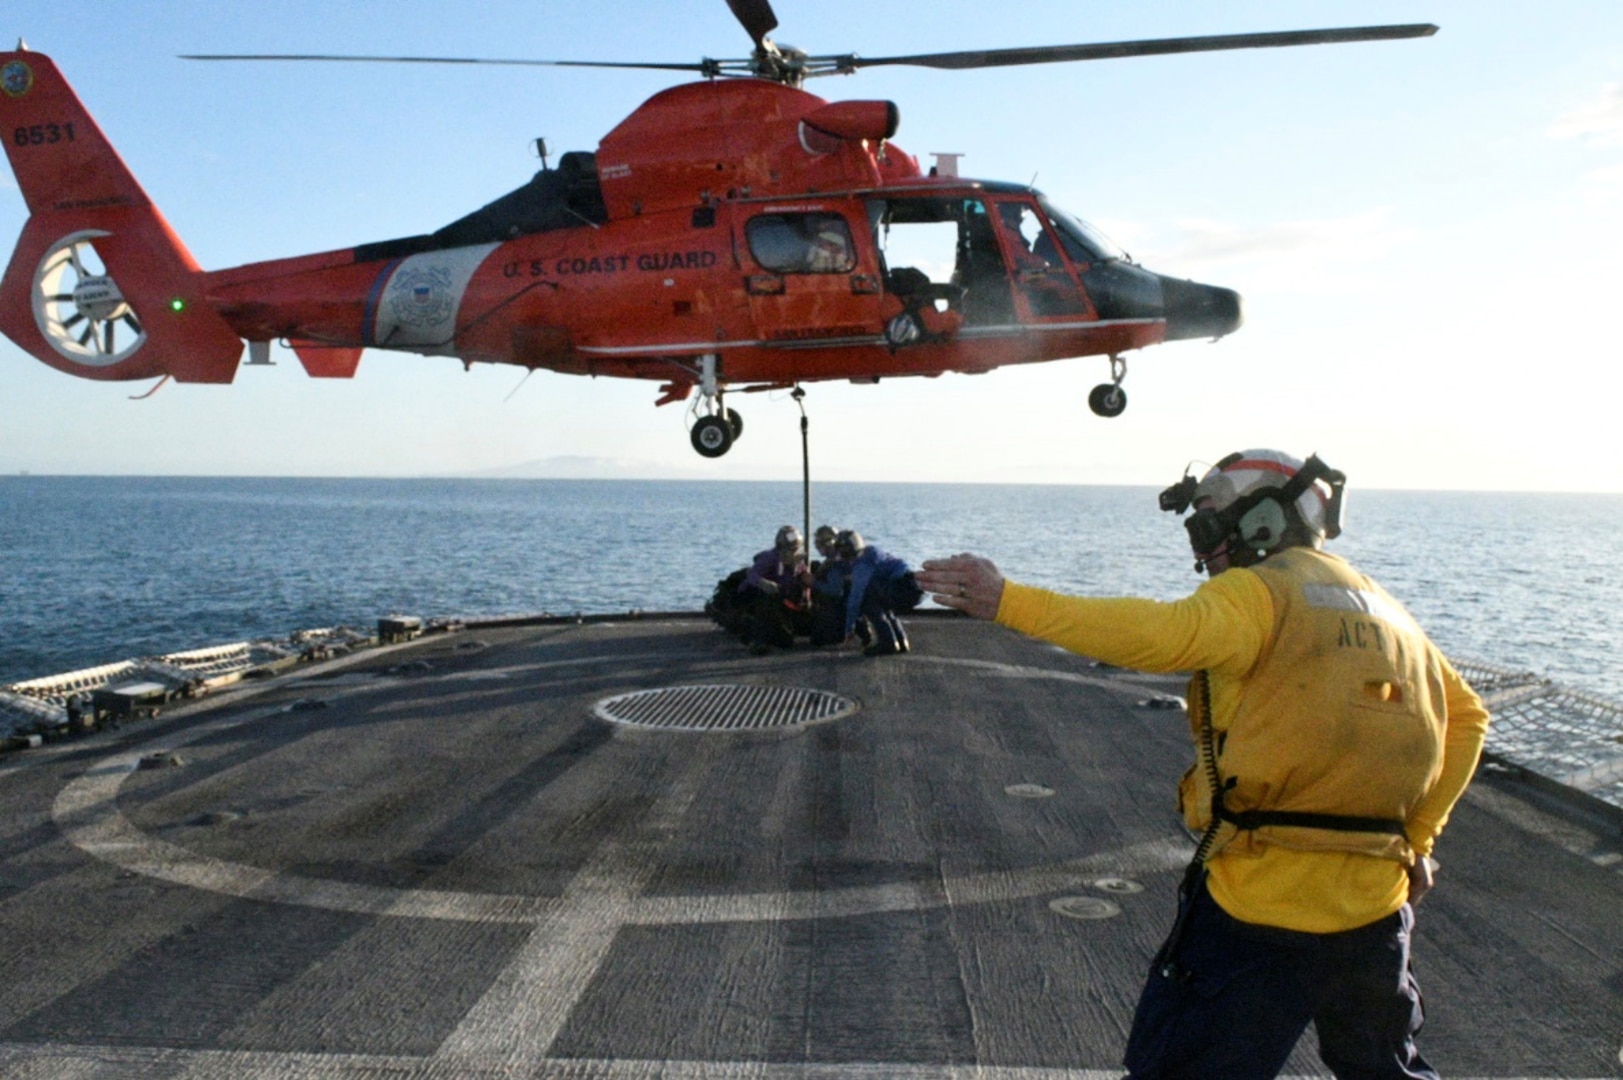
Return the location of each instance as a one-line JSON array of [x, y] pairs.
[[99, 285]]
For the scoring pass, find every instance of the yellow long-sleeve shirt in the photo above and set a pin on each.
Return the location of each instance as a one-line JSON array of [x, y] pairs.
[[1225, 628]]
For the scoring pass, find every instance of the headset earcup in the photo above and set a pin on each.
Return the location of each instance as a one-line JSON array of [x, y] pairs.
[[1263, 526]]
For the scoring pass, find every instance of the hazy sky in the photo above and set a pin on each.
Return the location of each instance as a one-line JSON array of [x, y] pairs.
[[1428, 234]]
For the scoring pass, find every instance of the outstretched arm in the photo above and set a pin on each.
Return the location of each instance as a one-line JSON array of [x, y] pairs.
[[1222, 626]]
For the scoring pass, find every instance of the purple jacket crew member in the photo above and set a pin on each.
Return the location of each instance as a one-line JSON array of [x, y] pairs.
[[770, 573], [772, 589]]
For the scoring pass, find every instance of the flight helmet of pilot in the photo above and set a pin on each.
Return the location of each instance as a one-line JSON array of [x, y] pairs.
[[1254, 503], [823, 539], [828, 249], [848, 544]]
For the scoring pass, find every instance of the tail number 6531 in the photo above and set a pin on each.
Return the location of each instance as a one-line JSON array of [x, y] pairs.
[[42, 134]]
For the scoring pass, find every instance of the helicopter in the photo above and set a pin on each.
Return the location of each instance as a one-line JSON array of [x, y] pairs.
[[732, 234]]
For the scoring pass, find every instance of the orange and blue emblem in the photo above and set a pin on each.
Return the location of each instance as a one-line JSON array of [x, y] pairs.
[[16, 78]]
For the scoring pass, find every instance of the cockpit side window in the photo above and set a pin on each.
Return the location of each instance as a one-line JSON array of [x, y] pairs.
[[801, 243], [1082, 242], [1040, 274], [1031, 244]]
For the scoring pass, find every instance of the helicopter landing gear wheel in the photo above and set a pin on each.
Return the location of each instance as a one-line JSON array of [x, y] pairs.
[[78, 306], [713, 435], [1109, 399]]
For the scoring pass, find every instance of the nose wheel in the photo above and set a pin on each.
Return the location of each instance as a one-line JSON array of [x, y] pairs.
[[1109, 399]]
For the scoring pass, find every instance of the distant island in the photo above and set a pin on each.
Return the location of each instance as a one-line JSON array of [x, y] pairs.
[[584, 467]]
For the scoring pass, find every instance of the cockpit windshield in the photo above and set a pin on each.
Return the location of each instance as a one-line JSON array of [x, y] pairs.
[[1082, 242]]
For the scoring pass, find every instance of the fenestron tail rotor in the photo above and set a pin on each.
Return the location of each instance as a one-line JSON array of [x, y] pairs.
[[784, 64], [79, 308]]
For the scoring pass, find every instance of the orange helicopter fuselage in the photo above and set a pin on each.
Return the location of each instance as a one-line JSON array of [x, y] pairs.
[[669, 265], [728, 234]]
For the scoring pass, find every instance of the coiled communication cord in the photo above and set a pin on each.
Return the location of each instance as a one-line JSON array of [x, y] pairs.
[[1166, 961]]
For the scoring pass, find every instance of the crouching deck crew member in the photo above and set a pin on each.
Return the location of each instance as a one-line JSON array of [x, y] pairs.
[[880, 585]]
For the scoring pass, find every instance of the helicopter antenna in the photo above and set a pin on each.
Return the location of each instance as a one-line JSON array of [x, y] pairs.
[[156, 387], [528, 372], [583, 217]]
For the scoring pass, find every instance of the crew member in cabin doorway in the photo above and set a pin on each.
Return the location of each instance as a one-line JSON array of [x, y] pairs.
[[1332, 741], [880, 585]]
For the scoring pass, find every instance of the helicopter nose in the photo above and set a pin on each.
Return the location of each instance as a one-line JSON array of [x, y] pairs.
[[1194, 310]]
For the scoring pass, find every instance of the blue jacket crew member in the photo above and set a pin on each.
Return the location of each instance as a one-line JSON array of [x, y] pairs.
[[879, 585], [826, 581], [1332, 740]]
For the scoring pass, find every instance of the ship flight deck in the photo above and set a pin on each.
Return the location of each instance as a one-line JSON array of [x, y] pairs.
[[629, 849]]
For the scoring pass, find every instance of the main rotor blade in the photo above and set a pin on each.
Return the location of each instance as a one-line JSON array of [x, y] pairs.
[[758, 19], [703, 67], [1051, 54], [756, 16]]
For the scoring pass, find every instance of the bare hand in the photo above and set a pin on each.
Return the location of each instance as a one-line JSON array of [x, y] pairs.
[[1422, 876], [964, 582]]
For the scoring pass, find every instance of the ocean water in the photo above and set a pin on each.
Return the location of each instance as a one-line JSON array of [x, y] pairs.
[[98, 569]]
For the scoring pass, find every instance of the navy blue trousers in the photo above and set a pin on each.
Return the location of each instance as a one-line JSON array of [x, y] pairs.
[[1241, 995], [897, 594]]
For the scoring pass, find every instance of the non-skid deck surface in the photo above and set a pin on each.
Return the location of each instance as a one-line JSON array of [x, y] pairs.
[[440, 860]]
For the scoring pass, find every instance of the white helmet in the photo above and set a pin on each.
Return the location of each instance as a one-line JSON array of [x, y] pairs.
[[1257, 502], [1250, 471]]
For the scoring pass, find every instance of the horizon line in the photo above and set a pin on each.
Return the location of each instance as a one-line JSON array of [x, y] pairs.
[[25, 474]]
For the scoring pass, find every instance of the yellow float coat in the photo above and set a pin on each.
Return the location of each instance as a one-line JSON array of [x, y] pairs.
[[1350, 711]]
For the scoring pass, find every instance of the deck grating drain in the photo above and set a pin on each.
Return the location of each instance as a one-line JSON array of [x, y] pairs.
[[727, 707]]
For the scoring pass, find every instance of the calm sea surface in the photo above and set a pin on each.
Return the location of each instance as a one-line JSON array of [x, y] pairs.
[[96, 569]]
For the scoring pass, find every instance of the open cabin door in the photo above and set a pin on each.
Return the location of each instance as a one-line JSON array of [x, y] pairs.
[[994, 261], [942, 250]]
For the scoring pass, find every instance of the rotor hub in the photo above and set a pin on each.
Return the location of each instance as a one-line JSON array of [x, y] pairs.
[[98, 298]]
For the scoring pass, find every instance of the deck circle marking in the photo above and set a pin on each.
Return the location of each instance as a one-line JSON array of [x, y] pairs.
[[608, 896], [998, 669], [87, 812], [1120, 886], [1028, 791]]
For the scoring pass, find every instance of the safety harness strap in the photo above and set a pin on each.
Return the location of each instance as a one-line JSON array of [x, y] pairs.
[[1256, 819]]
